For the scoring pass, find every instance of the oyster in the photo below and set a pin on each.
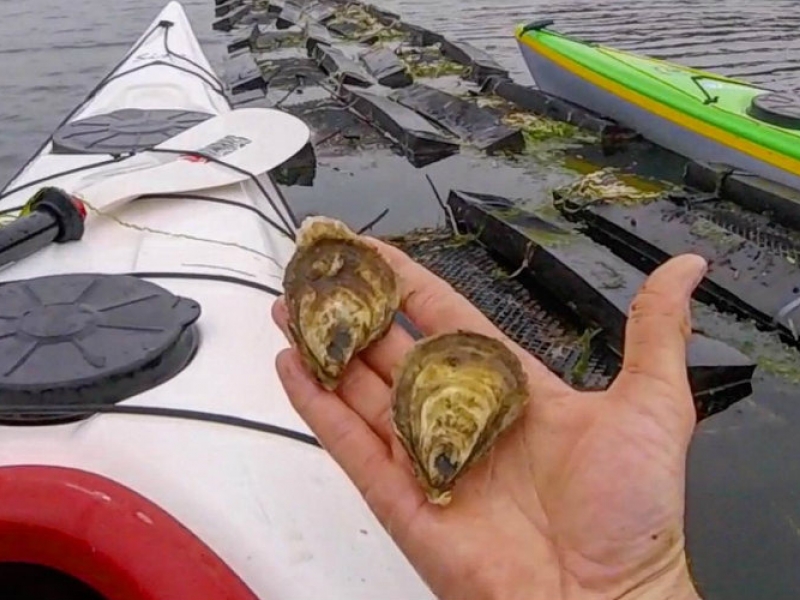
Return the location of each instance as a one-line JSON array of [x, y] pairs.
[[453, 395], [341, 296]]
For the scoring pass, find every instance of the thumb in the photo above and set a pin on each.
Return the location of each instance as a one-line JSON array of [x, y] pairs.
[[656, 334]]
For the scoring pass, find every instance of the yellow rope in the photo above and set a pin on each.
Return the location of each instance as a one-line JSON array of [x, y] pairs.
[[182, 236]]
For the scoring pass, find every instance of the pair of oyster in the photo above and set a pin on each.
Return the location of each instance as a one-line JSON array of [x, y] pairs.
[[452, 394]]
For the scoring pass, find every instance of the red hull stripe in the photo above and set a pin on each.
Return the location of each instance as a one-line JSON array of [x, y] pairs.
[[107, 536]]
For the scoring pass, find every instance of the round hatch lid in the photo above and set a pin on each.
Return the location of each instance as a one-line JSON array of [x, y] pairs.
[[87, 339], [122, 131], [778, 109]]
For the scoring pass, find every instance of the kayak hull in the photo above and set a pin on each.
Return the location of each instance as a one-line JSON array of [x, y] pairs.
[[559, 76], [237, 497]]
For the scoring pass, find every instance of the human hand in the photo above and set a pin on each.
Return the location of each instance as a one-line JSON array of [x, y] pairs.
[[582, 498]]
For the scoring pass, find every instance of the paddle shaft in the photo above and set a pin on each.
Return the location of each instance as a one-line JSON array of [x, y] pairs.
[[54, 217]]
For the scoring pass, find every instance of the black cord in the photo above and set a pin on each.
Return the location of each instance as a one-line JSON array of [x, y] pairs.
[[374, 222], [212, 81], [7, 211], [214, 85], [289, 229], [171, 52], [206, 276], [72, 171], [203, 198], [709, 99], [158, 411]]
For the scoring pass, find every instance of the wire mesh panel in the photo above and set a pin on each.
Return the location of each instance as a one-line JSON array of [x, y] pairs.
[[552, 338]]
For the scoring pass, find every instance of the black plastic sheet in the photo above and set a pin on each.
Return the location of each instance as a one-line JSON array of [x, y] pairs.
[[386, 67], [744, 276], [597, 285], [476, 125], [341, 67], [421, 142]]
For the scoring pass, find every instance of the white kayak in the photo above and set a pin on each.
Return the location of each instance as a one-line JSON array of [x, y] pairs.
[[147, 447]]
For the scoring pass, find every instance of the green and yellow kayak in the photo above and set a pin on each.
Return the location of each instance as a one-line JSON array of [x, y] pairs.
[[694, 113]]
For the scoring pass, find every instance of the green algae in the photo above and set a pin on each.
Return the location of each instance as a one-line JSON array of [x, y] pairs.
[[609, 186], [383, 34], [353, 13], [443, 239], [765, 348], [714, 233], [547, 239], [577, 374], [546, 211], [270, 43], [422, 65], [536, 128], [365, 26], [544, 234]]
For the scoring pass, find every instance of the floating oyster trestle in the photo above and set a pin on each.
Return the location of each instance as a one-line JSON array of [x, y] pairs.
[[341, 296], [452, 397]]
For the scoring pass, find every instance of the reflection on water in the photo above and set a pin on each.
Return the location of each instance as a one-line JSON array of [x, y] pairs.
[[744, 468]]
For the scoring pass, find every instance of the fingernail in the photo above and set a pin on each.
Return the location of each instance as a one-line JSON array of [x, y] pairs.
[[283, 362], [702, 269], [296, 368]]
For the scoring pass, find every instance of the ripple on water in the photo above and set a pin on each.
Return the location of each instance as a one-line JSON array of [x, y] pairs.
[[759, 41]]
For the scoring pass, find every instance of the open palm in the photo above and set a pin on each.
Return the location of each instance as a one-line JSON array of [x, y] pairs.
[[583, 497]]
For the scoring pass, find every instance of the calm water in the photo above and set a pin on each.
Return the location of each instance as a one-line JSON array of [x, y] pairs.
[[744, 483], [52, 53]]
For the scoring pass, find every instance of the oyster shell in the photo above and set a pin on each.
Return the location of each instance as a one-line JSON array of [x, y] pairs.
[[452, 397], [341, 296]]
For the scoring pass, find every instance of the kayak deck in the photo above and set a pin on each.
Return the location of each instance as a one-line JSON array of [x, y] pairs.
[[216, 436]]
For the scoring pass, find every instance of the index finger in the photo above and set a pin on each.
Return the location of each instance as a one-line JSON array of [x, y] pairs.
[[435, 307]]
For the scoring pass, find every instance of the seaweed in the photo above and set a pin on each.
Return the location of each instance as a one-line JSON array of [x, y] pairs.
[[577, 374], [720, 236], [608, 186], [430, 63], [355, 23]]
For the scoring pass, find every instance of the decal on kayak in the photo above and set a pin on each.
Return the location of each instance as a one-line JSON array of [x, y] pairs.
[[224, 146], [139, 162]]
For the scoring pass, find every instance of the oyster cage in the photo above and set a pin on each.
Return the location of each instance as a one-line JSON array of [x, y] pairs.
[[552, 338], [529, 317]]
